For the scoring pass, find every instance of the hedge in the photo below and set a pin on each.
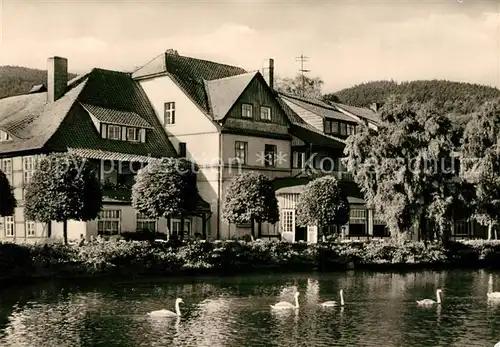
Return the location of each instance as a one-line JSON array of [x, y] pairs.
[[136, 258]]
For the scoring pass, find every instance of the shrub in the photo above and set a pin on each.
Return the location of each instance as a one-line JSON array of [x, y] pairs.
[[250, 197], [7, 199], [64, 187], [322, 203], [124, 258]]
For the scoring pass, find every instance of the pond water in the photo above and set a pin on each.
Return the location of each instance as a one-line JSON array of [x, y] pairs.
[[380, 310]]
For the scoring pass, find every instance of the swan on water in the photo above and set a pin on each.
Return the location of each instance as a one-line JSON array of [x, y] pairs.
[[168, 313], [282, 305], [335, 303], [427, 302]]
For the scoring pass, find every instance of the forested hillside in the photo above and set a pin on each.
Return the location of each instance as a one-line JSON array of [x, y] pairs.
[[455, 97], [15, 80]]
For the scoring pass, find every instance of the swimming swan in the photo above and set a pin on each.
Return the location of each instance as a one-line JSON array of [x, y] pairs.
[[427, 302], [335, 303], [167, 313], [283, 305]]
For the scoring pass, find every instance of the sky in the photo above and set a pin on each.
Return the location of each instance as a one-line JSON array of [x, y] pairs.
[[347, 42]]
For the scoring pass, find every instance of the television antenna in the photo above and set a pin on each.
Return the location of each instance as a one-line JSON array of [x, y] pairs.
[[302, 59]]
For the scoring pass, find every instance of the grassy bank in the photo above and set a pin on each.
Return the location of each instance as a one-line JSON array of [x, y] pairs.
[[134, 258]]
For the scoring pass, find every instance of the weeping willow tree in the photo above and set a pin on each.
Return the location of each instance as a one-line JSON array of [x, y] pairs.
[[480, 157], [407, 169]]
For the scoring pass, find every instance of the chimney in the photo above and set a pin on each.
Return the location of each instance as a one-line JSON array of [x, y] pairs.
[[57, 78], [271, 73], [374, 107]]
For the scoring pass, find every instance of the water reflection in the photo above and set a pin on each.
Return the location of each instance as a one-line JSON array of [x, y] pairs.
[[235, 311]]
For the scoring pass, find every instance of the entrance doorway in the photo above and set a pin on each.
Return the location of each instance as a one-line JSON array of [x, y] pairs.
[[300, 233]]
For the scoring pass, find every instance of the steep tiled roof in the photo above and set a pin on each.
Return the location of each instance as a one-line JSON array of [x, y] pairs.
[[63, 124], [191, 75], [223, 92], [112, 116]]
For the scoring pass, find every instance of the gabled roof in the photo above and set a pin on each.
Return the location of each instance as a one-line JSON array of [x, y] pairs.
[[305, 131], [38, 125], [361, 112], [118, 117], [332, 109], [321, 109], [224, 92], [192, 75]]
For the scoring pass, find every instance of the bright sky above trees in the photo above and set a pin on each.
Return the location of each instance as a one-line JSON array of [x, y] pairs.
[[348, 42]]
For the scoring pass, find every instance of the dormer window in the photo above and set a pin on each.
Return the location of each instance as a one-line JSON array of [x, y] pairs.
[[133, 134], [4, 136], [114, 132], [117, 124]]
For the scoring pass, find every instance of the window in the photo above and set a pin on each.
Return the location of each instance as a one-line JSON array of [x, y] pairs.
[[351, 129], [182, 149], [240, 151], [246, 111], [331, 126], [176, 226], [270, 155], [109, 222], [6, 167], [299, 160], [145, 223], [169, 115], [4, 136], [30, 228], [114, 132], [133, 134], [265, 113], [343, 129], [287, 221], [8, 226], [28, 168]]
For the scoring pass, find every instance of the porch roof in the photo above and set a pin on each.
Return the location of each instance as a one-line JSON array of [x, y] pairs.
[[295, 185]]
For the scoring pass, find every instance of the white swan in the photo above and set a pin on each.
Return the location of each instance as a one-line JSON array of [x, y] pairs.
[[497, 345], [283, 305], [493, 295], [427, 302], [335, 303], [167, 313]]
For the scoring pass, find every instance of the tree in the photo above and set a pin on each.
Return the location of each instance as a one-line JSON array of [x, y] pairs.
[[480, 159], [407, 169], [250, 198], [166, 188], [300, 85], [322, 203], [330, 97], [64, 187], [7, 200]]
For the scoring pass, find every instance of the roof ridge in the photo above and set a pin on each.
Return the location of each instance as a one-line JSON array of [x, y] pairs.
[[202, 60], [312, 101]]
